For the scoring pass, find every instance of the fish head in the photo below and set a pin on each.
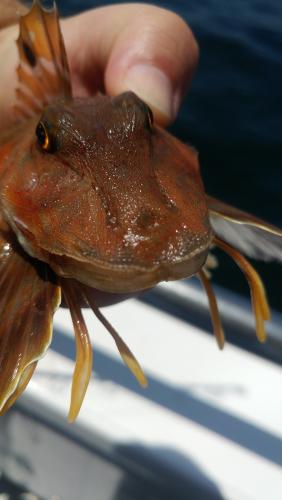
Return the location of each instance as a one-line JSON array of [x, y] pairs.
[[106, 197]]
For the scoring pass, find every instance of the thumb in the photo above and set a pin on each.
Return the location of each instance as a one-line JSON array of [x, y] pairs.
[[141, 48], [155, 56]]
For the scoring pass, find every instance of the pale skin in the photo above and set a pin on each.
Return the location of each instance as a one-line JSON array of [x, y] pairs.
[[137, 47]]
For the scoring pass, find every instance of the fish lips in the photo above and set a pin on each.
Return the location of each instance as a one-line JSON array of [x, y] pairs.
[[129, 278]]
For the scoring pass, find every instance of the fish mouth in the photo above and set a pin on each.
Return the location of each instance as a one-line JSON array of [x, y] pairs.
[[129, 278]]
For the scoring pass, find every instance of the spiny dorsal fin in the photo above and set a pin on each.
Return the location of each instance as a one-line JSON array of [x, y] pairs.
[[249, 234], [43, 71]]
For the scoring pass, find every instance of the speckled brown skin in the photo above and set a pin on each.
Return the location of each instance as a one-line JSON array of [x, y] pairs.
[[115, 202]]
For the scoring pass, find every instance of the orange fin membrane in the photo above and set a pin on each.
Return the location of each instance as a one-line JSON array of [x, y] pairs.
[[43, 71], [215, 317], [258, 295], [83, 365], [28, 301], [127, 356], [249, 234], [23, 382]]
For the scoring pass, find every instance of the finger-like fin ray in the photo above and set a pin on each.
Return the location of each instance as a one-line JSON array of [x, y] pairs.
[[215, 317], [127, 356], [247, 233], [259, 300], [83, 365]]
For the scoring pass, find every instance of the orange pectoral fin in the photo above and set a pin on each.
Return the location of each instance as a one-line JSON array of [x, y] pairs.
[[28, 300], [247, 233], [43, 71]]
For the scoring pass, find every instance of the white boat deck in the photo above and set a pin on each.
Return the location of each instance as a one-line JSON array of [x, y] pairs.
[[207, 418]]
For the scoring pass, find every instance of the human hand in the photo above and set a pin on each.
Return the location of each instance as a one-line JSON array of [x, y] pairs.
[[137, 47]]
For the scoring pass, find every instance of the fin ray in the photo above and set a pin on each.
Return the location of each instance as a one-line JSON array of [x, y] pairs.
[[259, 301], [126, 354], [43, 67], [83, 365], [249, 234], [215, 316]]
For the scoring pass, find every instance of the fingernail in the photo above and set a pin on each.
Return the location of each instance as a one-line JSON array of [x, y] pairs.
[[153, 87]]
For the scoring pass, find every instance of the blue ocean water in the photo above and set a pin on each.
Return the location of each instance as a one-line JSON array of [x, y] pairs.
[[233, 112]]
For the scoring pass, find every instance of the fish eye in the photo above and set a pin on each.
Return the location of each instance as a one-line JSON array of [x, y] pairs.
[[43, 137]]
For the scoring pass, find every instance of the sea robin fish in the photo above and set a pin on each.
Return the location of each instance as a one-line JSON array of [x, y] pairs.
[[93, 195]]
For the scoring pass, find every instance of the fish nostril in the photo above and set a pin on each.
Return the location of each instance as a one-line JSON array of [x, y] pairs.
[[146, 219]]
